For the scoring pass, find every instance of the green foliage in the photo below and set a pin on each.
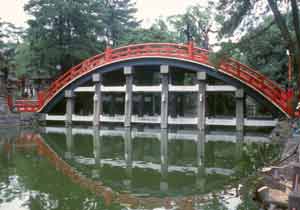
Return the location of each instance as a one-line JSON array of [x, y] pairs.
[[200, 21], [262, 49], [158, 32], [22, 60], [215, 204], [118, 19], [266, 52], [236, 12], [63, 33], [248, 204], [270, 28], [9, 39]]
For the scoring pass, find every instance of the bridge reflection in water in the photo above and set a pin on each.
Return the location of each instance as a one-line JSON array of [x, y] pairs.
[[149, 167], [155, 162]]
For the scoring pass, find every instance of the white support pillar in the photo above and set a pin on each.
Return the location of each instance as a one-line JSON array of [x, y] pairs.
[[128, 158], [69, 143], [128, 96], [239, 146], [200, 148], [164, 160], [164, 71], [239, 95], [201, 109], [200, 178], [69, 106], [97, 79], [97, 145]]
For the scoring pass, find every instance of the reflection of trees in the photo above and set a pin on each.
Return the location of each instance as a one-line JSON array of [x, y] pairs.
[[215, 204], [34, 176], [28, 182], [248, 204], [220, 154], [255, 156]]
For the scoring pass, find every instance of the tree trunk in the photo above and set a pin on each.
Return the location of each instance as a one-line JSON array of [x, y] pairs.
[[296, 59], [3, 91], [3, 94], [291, 45]]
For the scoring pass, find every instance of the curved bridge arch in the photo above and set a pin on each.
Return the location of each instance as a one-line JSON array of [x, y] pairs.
[[184, 56]]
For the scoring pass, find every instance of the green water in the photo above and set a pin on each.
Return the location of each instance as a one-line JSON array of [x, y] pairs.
[[151, 166]]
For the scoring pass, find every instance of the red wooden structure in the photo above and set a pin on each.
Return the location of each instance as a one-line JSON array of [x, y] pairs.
[[267, 88]]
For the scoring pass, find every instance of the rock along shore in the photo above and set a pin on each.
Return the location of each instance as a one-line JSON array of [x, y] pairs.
[[276, 180]]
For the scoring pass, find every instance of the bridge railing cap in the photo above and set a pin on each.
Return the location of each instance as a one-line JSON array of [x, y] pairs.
[[69, 94], [128, 70], [164, 69], [201, 75], [239, 93], [97, 77]]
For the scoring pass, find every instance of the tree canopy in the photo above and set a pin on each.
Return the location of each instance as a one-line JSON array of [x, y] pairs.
[[62, 33], [274, 20], [9, 39]]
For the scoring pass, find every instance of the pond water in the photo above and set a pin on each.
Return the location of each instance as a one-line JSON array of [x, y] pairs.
[[86, 168]]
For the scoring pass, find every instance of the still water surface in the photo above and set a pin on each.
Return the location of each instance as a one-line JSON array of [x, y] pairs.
[[82, 168]]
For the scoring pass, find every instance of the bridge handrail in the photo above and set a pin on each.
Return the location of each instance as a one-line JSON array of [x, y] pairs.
[[188, 52]]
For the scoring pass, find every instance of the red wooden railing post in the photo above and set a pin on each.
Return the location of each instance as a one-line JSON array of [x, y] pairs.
[[40, 98], [191, 49], [108, 54], [10, 104], [289, 95]]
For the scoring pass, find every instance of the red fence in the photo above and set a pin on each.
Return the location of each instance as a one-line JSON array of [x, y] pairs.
[[257, 81], [26, 105]]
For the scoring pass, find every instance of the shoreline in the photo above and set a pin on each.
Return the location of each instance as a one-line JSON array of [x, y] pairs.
[[276, 180]]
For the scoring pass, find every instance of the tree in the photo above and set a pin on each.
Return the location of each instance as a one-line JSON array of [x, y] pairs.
[[199, 21], [265, 52], [9, 39], [245, 14], [62, 33], [23, 56], [118, 19], [158, 32]]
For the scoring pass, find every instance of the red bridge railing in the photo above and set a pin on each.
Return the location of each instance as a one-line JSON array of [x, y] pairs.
[[27, 105], [269, 89]]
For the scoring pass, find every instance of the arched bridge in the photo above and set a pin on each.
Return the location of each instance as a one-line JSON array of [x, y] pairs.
[[165, 54]]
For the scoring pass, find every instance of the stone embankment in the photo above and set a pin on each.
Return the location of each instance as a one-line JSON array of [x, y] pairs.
[[277, 179]]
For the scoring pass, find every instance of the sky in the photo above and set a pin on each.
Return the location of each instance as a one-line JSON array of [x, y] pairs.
[[148, 10]]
